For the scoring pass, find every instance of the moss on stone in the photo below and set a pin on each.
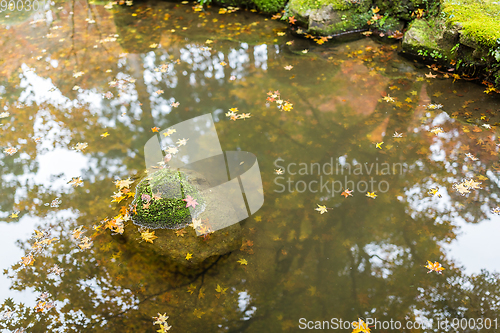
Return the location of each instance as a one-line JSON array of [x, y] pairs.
[[403, 9], [339, 22], [424, 37], [263, 6], [304, 5], [169, 209], [479, 19], [330, 17], [269, 6]]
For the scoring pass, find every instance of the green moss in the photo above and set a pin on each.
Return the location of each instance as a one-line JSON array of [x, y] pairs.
[[347, 20], [170, 210], [421, 37], [480, 19], [269, 6], [304, 5], [403, 9], [264, 6]]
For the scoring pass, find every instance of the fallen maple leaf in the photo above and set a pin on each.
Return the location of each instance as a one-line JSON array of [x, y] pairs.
[[436, 267], [360, 326], [80, 146], [76, 181], [190, 201], [321, 209], [347, 193], [430, 76], [434, 191], [125, 183], [221, 290], [148, 236], [10, 151], [180, 232], [27, 261]]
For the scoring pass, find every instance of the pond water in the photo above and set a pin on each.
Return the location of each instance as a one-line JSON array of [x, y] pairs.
[[83, 85]]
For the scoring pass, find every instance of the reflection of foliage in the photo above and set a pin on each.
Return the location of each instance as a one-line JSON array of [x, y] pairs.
[[364, 254], [139, 32]]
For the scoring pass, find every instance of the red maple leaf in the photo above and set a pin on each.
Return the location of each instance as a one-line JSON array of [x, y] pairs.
[[190, 201]]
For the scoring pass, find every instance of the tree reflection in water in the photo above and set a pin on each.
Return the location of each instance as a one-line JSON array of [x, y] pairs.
[[363, 258]]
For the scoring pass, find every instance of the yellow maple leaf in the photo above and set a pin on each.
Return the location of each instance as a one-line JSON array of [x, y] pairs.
[[388, 98], [436, 267], [434, 191], [78, 232], [461, 188], [379, 145], [430, 75], [242, 262], [105, 134], [360, 326], [189, 256], [123, 183], [27, 261], [148, 236], [221, 290], [191, 288], [371, 195], [321, 209], [198, 313], [436, 130]]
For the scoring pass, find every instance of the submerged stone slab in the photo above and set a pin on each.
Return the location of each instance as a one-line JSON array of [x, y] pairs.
[[174, 244]]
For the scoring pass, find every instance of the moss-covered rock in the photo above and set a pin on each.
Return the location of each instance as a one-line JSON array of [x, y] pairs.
[[465, 33], [479, 20], [330, 17], [216, 221], [263, 6], [427, 38], [160, 199], [405, 9]]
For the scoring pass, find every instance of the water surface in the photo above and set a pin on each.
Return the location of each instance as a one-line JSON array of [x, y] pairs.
[[77, 70]]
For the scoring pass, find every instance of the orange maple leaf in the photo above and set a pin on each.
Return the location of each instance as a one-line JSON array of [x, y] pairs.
[[436, 267], [346, 193]]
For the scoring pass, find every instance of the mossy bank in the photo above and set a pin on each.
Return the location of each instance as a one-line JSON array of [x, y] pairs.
[[463, 35]]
